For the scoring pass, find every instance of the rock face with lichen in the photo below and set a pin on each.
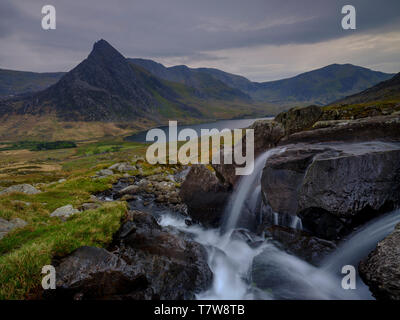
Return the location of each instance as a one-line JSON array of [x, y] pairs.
[[381, 269], [299, 119]]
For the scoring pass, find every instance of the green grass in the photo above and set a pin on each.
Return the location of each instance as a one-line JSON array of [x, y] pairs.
[[361, 110], [24, 251], [27, 250]]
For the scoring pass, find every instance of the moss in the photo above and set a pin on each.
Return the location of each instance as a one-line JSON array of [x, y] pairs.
[[361, 110]]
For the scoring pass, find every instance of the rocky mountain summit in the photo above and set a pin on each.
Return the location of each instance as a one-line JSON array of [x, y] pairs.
[[103, 87]]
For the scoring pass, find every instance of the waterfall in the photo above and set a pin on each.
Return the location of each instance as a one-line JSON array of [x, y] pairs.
[[248, 188], [231, 258]]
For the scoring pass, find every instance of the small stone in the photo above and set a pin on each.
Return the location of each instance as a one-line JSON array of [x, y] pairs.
[[132, 189], [128, 197], [105, 173], [64, 212], [62, 180], [7, 226], [114, 166]]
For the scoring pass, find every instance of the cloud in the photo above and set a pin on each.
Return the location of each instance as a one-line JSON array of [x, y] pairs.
[[183, 31]]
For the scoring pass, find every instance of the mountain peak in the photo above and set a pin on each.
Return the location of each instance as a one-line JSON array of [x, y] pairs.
[[103, 49]]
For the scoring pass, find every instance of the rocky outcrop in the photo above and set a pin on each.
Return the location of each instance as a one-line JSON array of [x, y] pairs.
[[299, 118], [333, 187], [383, 128], [381, 269], [144, 262], [7, 226], [205, 195], [267, 134], [22, 188]]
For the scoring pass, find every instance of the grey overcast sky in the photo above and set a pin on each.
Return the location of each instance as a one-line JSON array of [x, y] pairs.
[[260, 39]]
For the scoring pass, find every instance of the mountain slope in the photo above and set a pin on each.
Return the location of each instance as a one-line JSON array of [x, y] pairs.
[[205, 85], [388, 90], [19, 82], [105, 87]]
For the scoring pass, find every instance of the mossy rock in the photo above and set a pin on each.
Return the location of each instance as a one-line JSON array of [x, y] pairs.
[[299, 118]]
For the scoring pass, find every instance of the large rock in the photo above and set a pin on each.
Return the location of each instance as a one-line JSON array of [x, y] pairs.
[[90, 273], [7, 226], [267, 134], [299, 118], [333, 187], [205, 195], [147, 262], [283, 176], [381, 269], [22, 188]]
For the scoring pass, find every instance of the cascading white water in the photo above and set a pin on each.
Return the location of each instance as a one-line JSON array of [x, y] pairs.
[[246, 189], [231, 258]]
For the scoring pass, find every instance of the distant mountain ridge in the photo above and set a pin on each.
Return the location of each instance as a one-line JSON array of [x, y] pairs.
[[388, 90], [19, 82], [320, 86], [204, 84]]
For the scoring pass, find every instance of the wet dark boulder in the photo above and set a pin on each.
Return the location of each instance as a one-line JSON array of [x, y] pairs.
[[283, 176], [95, 273], [205, 195], [267, 134], [333, 187], [381, 269], [300, 243], [144, 262]]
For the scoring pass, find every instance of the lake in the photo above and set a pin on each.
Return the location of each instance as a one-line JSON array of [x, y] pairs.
[[220, 124]]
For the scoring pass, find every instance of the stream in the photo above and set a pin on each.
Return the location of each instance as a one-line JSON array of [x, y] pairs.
[[239, 258], [230, 256]]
